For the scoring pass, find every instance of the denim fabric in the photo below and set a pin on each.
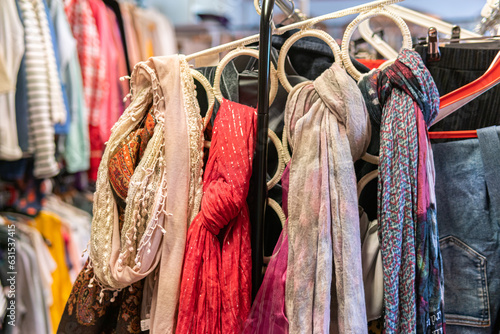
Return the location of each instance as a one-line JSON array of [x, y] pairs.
[[459, 65], [468, 204]]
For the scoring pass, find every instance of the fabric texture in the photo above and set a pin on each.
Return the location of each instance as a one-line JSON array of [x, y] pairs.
[[402, 101], [469, 226], [93, 71], [11, 50], [45, 102], [50, 227], [460, 64], [87, 309], [323, 223], [216, 276], [267, 315], [371, 258], [156, 217], [77, 148]]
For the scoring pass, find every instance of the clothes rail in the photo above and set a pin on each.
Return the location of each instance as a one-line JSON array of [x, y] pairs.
[[298, 25], [261, 149]]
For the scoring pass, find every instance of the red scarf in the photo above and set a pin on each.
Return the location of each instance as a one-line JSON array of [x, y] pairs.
[[216, 278]]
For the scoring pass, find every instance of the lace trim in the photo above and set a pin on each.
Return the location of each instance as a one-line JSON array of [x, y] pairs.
[[143, 211], [195, 133]]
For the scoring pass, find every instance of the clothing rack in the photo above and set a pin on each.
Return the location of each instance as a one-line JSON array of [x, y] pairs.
[[261, 149]]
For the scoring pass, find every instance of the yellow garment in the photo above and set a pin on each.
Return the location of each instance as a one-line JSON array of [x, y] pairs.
[[49, 226]]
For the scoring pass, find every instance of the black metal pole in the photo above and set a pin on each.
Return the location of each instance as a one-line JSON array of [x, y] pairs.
[[261, 149]]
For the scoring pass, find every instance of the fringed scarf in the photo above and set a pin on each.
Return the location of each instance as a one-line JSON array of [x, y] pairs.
[[403, 100], [328, 129], [164, 191], [216, 278]]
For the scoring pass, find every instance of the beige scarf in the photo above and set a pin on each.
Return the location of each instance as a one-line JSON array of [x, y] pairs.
[[328, 129], [164, 193]]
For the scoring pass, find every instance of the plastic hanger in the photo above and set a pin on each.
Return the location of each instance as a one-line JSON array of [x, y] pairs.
[[294, 38], [407, 43], [243, 52], [463, 95], [210, 95], [298, 25], [408, 15], [427, 21]]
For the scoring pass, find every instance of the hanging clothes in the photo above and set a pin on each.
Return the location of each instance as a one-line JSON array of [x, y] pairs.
[[123, 314], [402, 101], [49, 226], [110, 109], [93, 67], [76, 149], [45, 102], [216, 277], [468, 198], [11, 53], [323, 223], [154, 219], [268, 309]]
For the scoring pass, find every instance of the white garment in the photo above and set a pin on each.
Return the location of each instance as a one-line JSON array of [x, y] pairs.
[[5, 83], [373, 272], [164, 41], [11, 50]]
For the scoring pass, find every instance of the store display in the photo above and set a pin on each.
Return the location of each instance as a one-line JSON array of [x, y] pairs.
[[370, 225]]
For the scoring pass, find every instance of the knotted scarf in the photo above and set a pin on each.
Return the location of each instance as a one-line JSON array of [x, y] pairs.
[[216, 278], [403, 100], [328, 129], [164, 191]]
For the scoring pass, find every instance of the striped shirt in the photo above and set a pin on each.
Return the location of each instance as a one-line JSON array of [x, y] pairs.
[[45, 102]]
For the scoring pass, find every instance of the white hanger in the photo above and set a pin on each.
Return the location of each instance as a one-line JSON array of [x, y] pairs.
[[294, 38], [427, 21], [279, 31], [408, 15], [407, 43]]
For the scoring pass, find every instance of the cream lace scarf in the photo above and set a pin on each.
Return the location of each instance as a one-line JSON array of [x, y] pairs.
[[119, 261]]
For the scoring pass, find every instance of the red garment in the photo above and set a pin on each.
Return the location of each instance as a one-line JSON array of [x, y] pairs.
[[372, 63], [92, 62], [216, 279]]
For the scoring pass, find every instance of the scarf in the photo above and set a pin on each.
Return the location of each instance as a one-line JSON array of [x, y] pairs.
[[216, 278], [164, 190], [402, 101], [267, 315], [328, 129]]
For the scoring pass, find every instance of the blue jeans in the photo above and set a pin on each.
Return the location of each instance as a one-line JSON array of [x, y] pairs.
[[468, 214]]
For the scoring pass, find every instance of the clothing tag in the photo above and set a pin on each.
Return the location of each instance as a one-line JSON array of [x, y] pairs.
[[205, 61], [145, 325]]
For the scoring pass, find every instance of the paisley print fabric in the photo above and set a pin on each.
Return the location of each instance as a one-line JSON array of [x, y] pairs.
[[119, 312]]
